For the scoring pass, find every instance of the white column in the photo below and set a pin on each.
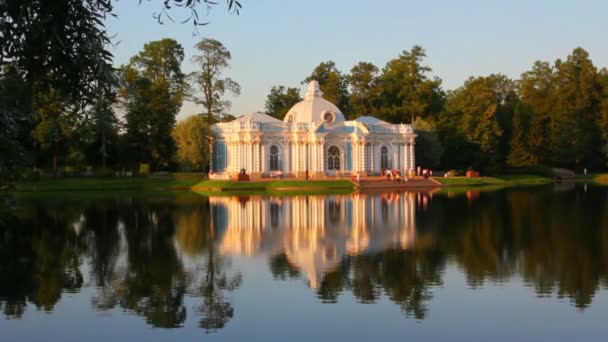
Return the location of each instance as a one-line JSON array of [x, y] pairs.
[[406, 162], [322, 155], [259, 152], [413, 155], [371, 156]]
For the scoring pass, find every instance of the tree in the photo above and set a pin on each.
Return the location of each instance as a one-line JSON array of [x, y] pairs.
[[102, 130], [214, 58], [576, 135], [14, 122], [537, 94], [428, 145], [190, 137], [406, 89], [603, 120], [63, 45], [519, 155], [56, 121], [152, 89], [364, 89], [280, 100], [477, 108], [332, 83]]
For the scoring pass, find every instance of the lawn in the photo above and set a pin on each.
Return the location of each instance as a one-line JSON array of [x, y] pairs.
[[274, 185], [501, 179], [169, 183]]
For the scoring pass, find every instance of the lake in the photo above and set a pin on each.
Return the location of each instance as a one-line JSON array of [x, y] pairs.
[[501, 265]]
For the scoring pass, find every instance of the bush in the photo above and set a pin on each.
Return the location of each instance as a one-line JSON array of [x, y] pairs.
[[455, 173], [144, 169], [104, 172], [30, 175], [539, 170], [70, 171]]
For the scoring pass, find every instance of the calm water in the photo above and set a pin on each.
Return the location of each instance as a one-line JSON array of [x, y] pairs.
[[516, 264]]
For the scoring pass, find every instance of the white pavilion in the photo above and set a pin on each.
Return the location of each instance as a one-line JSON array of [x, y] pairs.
[[314, 138]]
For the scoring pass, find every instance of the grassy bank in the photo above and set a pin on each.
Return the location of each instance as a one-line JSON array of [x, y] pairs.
[[177, 184], [497, 180], [599, 178]]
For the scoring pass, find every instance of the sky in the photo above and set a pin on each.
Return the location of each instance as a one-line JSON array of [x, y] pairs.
[[279, 42]]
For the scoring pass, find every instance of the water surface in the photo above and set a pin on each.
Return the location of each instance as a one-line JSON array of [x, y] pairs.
[[513, 264]]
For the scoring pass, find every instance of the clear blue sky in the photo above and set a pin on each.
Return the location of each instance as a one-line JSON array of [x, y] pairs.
[[279, 42]]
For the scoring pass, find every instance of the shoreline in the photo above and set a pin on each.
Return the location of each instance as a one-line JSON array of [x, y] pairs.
[[195, 184]]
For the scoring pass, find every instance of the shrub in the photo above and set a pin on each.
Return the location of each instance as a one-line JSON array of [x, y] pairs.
[[104, 172], [455, 173], [144, 169]]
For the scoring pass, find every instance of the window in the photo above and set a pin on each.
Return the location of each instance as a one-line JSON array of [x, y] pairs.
[[333, 158], [384, 158], [274, 158], [329, 117], [220, 157], [348, 156]]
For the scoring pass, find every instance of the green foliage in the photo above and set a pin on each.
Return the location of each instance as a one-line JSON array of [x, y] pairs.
[[214, 58], [520, 155], [332, 83], [365, 90], [15, 122], [192, 140], [406, 89], [428, 147], [144, 169], [280, 100], [152, 92], [474, 112]]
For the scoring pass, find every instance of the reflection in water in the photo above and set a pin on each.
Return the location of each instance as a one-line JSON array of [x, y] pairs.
[[315, 232], [169, 259]]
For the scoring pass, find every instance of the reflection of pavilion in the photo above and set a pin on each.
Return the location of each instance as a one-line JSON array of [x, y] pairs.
[[314, 231]]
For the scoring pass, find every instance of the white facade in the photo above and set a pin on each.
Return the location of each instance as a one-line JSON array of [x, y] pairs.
[[314, 137]]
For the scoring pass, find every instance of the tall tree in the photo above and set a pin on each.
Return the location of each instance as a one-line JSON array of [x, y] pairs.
[[56, 121], [152, 90], [428, 145], [537, 93], [576, 136], [280, 100], [212, 61], [406, 89], [603, 120], [364, 89], [478, 107], [102, 130], [519, 154], [332, 83], [14, 125], [190, 137]]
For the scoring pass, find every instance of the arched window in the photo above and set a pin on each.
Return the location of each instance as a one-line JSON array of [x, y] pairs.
[[384, 157], [274, 158], [333, 158]]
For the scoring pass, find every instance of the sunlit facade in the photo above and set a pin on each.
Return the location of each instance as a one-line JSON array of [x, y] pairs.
[[315, 232], [314, 138]]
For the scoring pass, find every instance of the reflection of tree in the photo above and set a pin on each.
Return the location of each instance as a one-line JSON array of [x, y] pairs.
[[153, 283], [554, 240], [216, 310], [404, 276], [282, 269], [40, 259]]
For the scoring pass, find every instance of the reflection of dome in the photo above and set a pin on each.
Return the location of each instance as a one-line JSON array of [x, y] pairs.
[[313, 108]]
